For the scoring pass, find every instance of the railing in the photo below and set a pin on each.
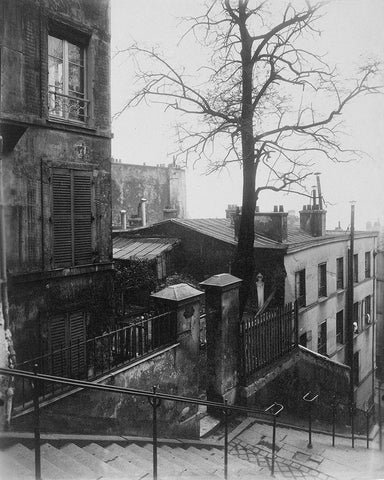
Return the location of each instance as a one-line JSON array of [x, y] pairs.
[[92, 358], [267, 337], [68, 107], [154, 398]]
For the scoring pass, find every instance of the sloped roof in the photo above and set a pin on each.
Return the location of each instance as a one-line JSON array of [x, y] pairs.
[[221, 229], [141, 248], [298, 238]]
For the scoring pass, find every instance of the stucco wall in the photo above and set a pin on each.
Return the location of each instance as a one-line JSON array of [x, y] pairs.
[[93, 412], [163, 187], [317, 310], [295, 375]]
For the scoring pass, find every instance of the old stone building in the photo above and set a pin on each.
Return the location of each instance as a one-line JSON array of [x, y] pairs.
[[55, 124], [163, 189]]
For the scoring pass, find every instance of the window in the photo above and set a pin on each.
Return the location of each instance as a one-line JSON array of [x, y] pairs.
[[303, 340], [367, 264], [72, 217], [356, 268], [67, 347], [340, 327], [322, 274], [66, 80], [300, 287], [367, 310], [356, 368], [322, 338], [356, 319], [340, 273]]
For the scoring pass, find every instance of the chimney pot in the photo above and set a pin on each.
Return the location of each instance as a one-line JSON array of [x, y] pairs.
[[281, 208], [123, 219], [257, 209], [275, 208]]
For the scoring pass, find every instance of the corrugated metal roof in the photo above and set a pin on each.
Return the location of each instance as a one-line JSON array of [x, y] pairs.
[[141, 248], [221, 229]]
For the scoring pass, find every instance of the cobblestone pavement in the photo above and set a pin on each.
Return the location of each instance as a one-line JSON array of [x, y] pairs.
[[284, 468]]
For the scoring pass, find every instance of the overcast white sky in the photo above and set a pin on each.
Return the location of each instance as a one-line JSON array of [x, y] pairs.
[[352, 30]]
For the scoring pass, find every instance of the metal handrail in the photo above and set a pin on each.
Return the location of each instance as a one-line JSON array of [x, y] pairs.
[[154, 398], [309, 397]]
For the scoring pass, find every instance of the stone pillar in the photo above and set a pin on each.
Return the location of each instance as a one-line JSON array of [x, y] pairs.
[[185, 300], [222, 320]]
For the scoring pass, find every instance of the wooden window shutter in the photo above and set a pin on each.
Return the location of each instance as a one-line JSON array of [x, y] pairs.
[[77, 339], [58, 344], [62, 217], [82, 222]]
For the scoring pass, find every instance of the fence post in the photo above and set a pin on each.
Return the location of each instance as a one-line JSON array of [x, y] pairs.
[[35, 387], [222, 320], [275, 410], [155, 403], [334, 405], [309, 398], [184, 301]]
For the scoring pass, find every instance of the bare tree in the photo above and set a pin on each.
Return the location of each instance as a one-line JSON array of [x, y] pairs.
[[265, 100]]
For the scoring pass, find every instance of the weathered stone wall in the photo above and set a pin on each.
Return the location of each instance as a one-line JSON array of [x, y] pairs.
[[34, 143], [94, 412], [289, 379], [163, 187]]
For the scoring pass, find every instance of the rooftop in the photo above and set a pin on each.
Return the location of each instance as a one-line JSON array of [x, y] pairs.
[[141, 248]]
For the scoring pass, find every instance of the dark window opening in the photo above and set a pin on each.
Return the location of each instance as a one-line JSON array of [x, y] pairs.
[[356, 268], [322, 275], [367, 264], [340, 273], [322, 339], [303, 340], [300, 288], [340, 327]]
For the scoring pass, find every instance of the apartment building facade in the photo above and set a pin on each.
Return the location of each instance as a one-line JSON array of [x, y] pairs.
[[317, 269], [55, 124]]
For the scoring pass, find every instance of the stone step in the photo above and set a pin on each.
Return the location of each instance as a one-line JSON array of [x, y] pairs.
[[165, 467], [204, 465], [66, 463], [102, 469], [179, 457], [11, 469], [140, 463], [114, 460], [27, 458]]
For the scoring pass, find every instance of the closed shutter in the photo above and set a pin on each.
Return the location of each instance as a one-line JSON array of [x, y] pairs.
[[58, 344], [62, 217], [82, 217], [77, 339]]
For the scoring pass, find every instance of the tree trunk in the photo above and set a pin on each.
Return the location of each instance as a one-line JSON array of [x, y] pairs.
[[244, 264]]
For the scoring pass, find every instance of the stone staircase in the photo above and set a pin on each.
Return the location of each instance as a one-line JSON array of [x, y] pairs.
[[70, 460]]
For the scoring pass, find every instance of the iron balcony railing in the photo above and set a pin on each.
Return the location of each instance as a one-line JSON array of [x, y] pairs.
[[97, 356], [154, 398], [68, 107]]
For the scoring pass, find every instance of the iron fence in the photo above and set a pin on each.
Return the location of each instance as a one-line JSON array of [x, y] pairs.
[[267, 337], [97, 356]]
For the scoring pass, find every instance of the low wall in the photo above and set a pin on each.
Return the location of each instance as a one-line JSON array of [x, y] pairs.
[[103, 413], [289, 379]]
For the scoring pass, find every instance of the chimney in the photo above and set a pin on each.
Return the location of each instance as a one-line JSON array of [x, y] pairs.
[[272, 225], [123, 219], [143, 211], [313, 217], [169, 212]]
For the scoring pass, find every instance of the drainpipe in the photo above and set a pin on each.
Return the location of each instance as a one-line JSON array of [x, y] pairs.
[[349, 322], [374, 320], [3, 260]]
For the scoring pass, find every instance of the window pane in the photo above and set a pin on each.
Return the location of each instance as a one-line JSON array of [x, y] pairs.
[[55, 69], [55, 47], [75, 79], [75, 54]]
